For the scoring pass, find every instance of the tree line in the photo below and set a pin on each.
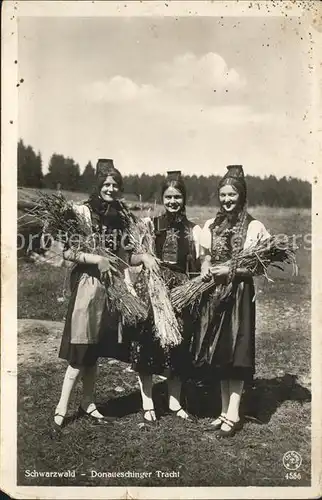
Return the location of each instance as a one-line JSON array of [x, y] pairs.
[[64, 173]]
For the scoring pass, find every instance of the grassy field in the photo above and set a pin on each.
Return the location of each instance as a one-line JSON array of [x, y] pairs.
[[30, 194], [277, 404]]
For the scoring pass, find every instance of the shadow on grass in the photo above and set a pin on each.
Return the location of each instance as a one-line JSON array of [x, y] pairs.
[[263, 399], [260, 401], [131, 403], [121, 406]]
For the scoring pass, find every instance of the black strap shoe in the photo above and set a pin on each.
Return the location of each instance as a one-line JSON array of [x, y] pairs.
[[153, 422], [89, 415], [233, 428]]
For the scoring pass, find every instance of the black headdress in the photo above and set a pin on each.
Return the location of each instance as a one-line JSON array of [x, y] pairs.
[[235, 177], [104, 168], [174, 179], [106, 212]]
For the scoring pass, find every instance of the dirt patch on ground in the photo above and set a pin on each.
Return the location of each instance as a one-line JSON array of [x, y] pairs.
[[39, 341]]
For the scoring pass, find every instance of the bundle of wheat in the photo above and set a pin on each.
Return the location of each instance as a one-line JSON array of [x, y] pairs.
[[165, 322], [255, 259], [66, 224]]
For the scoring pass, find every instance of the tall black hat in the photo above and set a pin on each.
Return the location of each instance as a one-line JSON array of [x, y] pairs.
[[104, 168], [235, 177], [174, 178], [174, 175], [235, 172]]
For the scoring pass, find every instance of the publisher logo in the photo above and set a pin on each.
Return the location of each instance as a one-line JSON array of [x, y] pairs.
[[292, 460]]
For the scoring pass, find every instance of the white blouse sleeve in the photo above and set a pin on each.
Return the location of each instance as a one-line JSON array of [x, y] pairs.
[[196, 235], [205, 235], [256, 232], [84, 212]]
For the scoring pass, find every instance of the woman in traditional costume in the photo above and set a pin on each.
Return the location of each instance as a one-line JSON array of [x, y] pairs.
[[226, 339], [176, 241], [91, 326]]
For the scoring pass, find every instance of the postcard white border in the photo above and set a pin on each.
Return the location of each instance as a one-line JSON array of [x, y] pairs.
[[311, 12]]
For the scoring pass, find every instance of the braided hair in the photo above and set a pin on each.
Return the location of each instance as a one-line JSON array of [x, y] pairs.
[[237, 223], [237, 242]]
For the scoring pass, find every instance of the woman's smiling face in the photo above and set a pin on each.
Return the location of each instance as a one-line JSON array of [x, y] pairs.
[[110, 189], [173, 200], [228, 198]]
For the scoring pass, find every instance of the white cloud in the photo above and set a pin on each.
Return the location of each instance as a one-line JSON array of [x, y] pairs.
[[117, 89], [186, 77], [207, 71]]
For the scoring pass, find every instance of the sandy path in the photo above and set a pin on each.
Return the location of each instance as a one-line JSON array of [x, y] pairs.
[[38, 340]]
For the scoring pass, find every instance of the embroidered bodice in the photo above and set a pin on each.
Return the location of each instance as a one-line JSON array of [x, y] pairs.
[[219, 243], [177, 243]]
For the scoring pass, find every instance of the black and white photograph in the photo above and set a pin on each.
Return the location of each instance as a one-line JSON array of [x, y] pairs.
[[160, 249]]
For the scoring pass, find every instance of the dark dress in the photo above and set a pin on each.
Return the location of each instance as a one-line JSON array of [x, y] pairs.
[[225, 341], [175, 247], [92, 329]]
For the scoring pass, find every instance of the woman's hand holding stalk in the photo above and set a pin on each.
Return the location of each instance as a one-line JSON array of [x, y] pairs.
[[106, 269], [149, 262], [205, 272], [104, 264]]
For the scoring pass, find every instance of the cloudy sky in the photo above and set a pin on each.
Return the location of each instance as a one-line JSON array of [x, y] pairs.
[[155, 94]]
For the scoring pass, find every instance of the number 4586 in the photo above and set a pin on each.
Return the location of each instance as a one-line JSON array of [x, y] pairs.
[[293, 475]]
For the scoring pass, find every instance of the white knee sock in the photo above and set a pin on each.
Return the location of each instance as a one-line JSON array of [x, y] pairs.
[[145, 382], [235, 389], [174, 391], [70, 379]]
